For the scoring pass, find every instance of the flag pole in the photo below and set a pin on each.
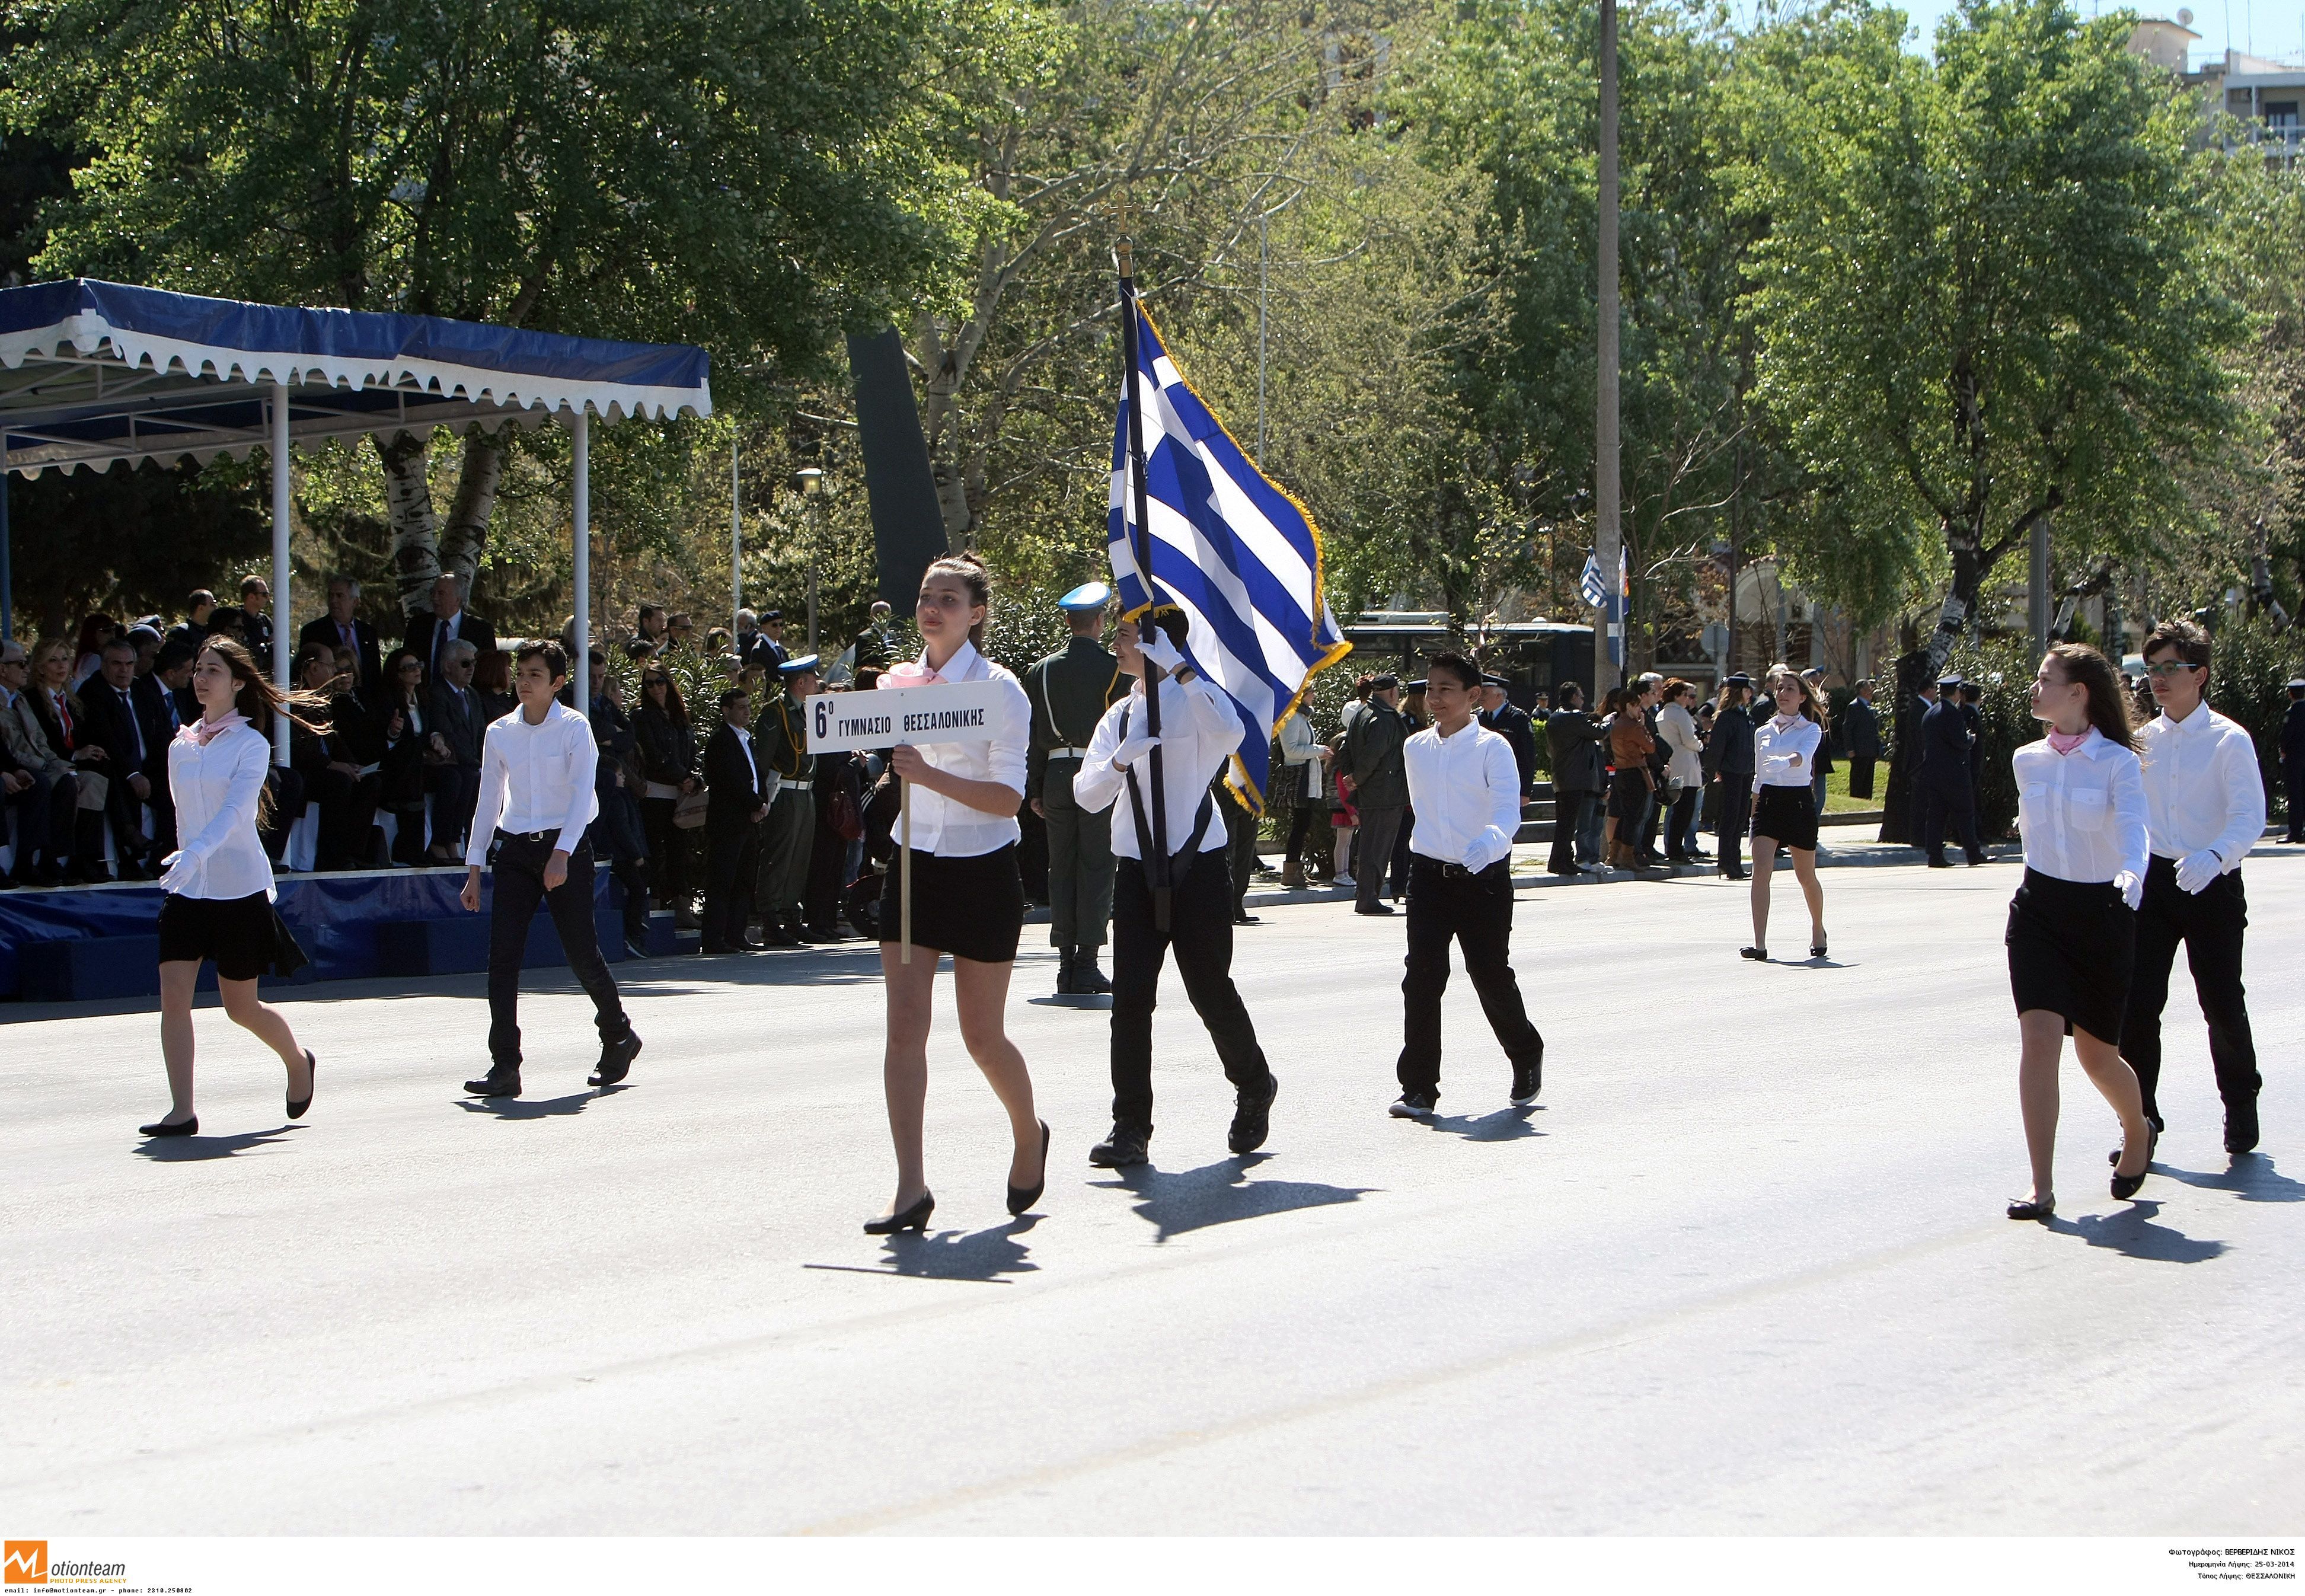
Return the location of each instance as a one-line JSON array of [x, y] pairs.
[[1156, 861]]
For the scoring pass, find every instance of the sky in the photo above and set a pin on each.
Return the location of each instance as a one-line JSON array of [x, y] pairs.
[[2271, 27]]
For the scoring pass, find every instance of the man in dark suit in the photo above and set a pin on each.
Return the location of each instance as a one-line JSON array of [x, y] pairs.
[[134, 737], [1943, 785], [1508, 720], [1731, 753], [2293, 758], [1861, 732], [732, 814], [253, 623], [342, 628], [1972, 715], [459, 724], [431, 631]]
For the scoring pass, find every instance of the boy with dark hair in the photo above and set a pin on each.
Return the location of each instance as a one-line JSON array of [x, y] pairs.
[[1466, 790], [2204, 809], [537, 767]]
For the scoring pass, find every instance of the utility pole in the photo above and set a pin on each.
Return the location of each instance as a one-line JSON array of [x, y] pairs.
[[1607, 532]]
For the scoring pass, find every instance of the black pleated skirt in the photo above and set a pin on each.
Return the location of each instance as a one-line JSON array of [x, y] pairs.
[[971, 907], [1788, 814], [2070, 944]]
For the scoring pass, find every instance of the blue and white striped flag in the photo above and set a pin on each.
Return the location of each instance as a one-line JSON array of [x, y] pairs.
[[1236, 553], [1591, 584]]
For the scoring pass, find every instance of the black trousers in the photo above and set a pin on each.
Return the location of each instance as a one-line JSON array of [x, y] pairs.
[[1736, 815], [1860, 778], [1300, 825], [1475, 911], [732, 858], [44, 813], [668, 850], [1401, 853], [2293, 776], [1567, 818], [1951, 798], [519, 887], [1681, 823], [1240, 850], [1200, 932], [2210, 923], [347, 816]]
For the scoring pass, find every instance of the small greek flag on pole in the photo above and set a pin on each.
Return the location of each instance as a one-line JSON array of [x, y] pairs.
[[1592, 584], [1232, 550]]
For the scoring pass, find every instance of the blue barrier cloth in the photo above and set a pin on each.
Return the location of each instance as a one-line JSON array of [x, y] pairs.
[[334, 916]]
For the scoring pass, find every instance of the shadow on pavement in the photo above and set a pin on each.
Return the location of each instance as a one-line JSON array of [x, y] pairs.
[[2133, 1234], [575, 1103], [985, 1255], [194, 1150], [2250, 1177], [1220, 1192]]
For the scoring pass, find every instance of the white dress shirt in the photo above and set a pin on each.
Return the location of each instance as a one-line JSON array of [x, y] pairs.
[[2202, 789], [1199, 732], [946, 827], [535, 778], [2082, 814], [1466, 791], [1775, 742], [217, 788]]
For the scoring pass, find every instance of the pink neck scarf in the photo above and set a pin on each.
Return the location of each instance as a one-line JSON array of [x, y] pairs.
[[200, 732], [2064, 742], [909, 673]]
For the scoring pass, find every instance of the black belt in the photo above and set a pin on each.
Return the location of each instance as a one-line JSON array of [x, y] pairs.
[[1463, 871]]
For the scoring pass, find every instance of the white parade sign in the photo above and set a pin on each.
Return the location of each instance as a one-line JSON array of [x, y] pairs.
[[941, 712]]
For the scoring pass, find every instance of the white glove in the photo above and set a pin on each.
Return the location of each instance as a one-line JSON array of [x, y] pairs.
[[1134, 750], [2132, 889], [2197, 870], [1157, 647]]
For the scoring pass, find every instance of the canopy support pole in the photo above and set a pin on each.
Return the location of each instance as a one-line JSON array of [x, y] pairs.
[[281, 640], [7, 578], [580, 668]]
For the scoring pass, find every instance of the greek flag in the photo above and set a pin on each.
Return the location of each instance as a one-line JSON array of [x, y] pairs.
[[1236, 553], [1592, 584]]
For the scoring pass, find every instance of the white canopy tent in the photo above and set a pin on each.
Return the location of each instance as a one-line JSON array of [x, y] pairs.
[[99, 373]]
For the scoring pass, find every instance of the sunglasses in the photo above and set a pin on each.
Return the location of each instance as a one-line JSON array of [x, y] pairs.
[[2169, 668]]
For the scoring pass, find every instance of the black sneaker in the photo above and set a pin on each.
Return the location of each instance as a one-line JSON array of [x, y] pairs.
[[2240, 1129], [1529, 1078], [1411, 1105], [496, 1083], [615, 1060], [1125, 1146], [1252, 1118]]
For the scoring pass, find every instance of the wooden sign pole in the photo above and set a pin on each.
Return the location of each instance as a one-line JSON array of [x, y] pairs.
[[905, 873]]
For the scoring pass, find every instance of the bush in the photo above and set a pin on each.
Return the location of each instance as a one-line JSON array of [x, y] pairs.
[[2249, 675]]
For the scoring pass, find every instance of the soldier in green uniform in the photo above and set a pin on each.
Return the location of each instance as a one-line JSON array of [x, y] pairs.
[[780, 744], [1070, 693]]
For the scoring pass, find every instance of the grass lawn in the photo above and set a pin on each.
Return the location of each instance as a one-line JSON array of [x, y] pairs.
[[1837, 800]]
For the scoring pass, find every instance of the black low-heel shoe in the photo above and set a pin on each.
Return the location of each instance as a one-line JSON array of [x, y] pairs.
[[296, 1105], [2124, 1187], [2025, 1208], [161, 1127], [915, 1218], [1021, 1198], [1759, 955]]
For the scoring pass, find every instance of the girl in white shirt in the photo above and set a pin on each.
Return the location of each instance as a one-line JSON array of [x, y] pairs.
[[1784, 804], [968, 899], [219, 882], [2073, 925]]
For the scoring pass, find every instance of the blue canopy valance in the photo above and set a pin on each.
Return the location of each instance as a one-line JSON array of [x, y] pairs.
[[100, 372]]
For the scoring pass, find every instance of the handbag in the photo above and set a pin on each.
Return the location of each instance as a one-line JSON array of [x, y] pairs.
[[842, 814], [688, 813]]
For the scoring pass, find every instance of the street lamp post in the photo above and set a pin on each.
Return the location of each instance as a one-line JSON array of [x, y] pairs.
[[811, 491]]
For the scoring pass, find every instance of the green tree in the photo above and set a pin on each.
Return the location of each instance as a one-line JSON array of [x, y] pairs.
[[1989, 292]]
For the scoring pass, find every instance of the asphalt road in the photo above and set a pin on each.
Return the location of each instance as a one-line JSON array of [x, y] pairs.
[[1743, 1270]]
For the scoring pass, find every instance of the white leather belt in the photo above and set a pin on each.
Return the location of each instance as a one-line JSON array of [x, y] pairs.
[[1069, 754]]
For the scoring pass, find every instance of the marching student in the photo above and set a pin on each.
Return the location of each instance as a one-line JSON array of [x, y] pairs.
[[1466, 790], [536, 770], [1784, 804], [968, 899], [2073, 925], [220, 894], [2204, 809], [1199, 732]]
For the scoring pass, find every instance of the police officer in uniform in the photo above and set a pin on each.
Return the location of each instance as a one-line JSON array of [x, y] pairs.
[[780, 744], [1069, 693], [2293, 758], [1945, 786]]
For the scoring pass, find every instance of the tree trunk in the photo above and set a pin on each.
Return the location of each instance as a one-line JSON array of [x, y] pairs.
[[467, 532], [1961, 600], [408, 510], [1912, 670]]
